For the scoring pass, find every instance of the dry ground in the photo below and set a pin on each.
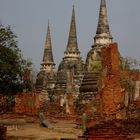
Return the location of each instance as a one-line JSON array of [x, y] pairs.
[[33, 131]]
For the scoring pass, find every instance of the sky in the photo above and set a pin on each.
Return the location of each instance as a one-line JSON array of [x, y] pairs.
[[29, 19]]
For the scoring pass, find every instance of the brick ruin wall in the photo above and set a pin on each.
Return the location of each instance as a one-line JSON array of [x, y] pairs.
[[111, 99], [27, 103], [111, 96], [33, 102], [133, 108], [134, 79]]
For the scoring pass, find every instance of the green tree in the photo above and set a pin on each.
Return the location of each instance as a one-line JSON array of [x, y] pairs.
[[12, 64]]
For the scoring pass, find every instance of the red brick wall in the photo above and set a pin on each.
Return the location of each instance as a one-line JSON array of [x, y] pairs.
[[110, 59], [27, 103], [110, 93]]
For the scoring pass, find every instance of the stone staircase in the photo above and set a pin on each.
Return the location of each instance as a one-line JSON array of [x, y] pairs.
[[89, 86]]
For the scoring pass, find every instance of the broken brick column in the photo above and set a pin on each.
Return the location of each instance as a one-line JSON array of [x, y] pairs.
[[111, 97]]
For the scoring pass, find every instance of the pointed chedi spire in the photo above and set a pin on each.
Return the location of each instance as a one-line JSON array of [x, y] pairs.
[[48, 54], [72, 46], [103, 35], [102, 38]]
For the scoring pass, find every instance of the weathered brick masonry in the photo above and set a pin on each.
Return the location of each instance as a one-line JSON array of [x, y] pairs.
[[27, 103], [110, 93], [114, 130]]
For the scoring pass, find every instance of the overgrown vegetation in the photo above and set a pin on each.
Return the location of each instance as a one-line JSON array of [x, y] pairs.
[[12, 64]]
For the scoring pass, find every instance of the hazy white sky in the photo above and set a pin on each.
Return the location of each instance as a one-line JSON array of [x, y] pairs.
[[29, 19]]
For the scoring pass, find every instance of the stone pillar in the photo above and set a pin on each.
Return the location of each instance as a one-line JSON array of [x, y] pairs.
[[69, 94], [69, 103], [69, 80], [84, 122], [137, 90]]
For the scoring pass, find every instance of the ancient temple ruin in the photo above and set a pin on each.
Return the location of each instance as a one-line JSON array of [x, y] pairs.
[[102, 38], [93, 66], [98, 97], [71, 59], [90, 70], [90, 84], [46, 78]]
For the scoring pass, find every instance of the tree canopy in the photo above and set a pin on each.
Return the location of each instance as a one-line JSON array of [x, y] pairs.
[[12, 64]]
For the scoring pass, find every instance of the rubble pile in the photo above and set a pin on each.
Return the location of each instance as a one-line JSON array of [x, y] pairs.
[[114, 130]]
